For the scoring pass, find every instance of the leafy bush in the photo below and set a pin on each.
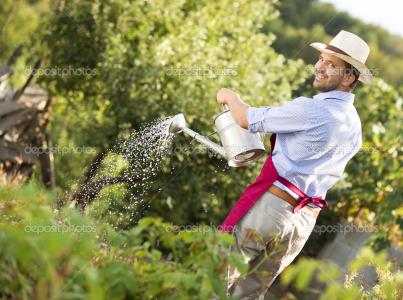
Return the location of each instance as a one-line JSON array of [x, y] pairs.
[[389, 284], [47, 253], [50, 254]]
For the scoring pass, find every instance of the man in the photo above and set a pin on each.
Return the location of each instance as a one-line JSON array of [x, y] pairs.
[[312, 141]]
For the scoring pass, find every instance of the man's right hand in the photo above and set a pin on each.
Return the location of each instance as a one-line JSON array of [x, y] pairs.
[[237, 107], [225, 96]]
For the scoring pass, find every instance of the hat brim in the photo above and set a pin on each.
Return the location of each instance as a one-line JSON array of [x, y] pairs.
[[365, 74]]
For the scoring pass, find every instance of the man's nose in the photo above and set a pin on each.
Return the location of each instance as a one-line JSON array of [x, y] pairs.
[[319, 67]]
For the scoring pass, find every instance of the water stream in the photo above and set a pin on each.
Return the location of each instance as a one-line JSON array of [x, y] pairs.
[[125, 177]]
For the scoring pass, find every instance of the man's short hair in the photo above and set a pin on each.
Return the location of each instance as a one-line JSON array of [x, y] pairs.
[[350, 69]]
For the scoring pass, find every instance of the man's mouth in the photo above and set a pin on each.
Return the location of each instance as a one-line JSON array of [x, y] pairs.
[[319, 76]]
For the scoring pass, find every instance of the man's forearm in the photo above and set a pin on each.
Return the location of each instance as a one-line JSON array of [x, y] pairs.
[[239, 111]]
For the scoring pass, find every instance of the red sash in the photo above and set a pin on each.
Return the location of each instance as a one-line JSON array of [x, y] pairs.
[[268, 175]]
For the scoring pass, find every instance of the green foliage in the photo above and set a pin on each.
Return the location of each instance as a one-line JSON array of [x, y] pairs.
[[389, 283], [39, 252], [18, 20], [50, 254]]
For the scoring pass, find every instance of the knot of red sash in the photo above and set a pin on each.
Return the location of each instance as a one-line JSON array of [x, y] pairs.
[[302, 201]]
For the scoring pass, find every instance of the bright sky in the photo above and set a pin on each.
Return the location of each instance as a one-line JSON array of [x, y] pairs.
[[387, 13]]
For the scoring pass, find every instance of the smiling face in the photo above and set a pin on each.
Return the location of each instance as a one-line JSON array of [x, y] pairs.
[[331, 73]]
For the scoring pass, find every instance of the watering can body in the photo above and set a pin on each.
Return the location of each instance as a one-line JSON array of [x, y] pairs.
[[241, 146]]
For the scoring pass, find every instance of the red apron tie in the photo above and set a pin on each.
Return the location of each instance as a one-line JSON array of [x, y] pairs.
[[303, 199]]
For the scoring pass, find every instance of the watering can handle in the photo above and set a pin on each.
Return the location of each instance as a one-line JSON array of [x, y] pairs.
[[225, 107]]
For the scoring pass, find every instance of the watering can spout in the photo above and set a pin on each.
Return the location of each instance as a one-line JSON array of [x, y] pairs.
[[206, 142], [178, 124]]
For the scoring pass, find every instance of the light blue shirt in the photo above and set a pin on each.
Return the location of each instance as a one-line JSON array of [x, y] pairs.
[[315, 138]]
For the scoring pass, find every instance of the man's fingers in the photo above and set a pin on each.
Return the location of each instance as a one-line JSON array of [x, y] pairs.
[[222, 95]]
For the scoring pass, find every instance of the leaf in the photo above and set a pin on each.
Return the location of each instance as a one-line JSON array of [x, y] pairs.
[[206, 288], [328, 272], [236, 260], [303, 277]]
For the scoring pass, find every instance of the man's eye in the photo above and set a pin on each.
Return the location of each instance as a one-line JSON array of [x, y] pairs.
[[332, 65]]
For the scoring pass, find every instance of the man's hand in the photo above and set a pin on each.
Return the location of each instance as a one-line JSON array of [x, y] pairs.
[[225, 96], [236, 105]]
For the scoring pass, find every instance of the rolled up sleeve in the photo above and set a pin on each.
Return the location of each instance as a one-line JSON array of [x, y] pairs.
[[293, 116], [257, 119]]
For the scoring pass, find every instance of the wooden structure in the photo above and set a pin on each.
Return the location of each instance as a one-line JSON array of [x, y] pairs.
[[24, 115]]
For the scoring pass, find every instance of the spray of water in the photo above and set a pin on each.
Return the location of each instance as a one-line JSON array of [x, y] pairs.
[[117, 191]]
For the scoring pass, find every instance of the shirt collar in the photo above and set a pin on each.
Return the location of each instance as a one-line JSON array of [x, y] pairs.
[[336, 94]]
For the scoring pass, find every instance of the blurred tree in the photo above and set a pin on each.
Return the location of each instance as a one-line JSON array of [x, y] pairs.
[[19, 21]]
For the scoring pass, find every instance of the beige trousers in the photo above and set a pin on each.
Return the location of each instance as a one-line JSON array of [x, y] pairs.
[[268, 237]]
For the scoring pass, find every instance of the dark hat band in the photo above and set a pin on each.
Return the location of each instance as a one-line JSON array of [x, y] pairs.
[[337, 50]]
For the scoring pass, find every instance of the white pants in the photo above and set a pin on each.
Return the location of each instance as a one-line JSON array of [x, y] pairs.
[[268, 237]]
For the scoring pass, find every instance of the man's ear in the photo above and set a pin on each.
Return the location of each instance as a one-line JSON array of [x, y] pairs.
[[348, 79]]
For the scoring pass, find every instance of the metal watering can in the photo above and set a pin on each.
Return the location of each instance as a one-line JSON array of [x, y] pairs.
[[239, 146]]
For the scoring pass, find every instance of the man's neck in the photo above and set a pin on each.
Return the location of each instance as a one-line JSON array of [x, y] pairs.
[[344, 89]]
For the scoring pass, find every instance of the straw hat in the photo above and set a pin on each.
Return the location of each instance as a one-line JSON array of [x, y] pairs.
[[350, 48]]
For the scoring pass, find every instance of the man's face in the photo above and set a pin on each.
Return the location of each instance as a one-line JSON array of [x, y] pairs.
[[329, 73]]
